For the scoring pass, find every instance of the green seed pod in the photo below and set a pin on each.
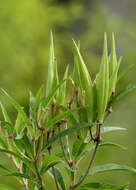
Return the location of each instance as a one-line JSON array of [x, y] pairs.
[[113, 62], [86, 83], [102, 83], [56, 79], [50, 67], [113, 78], [62, 90]]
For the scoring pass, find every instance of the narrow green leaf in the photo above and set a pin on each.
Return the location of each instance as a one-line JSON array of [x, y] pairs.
[[6, 117], [59, 117], [122, 93], [18, 107], [3, 143], [59, 178], [111, 167], [52, 93], [83, 154], [76, 73], [125, 71], [65, 132], [19, 124], [38, 103], [77, 148], [56, 79], [113, 145], [86, 84], [26, 161], [32, 115], [31, 105], [6, 187], [112, 128], [10, 127], [48, 162], [102, 186], [27, 144], [38, 98], [113, 79], [4, 168], [105, 130], [21, 175], [50, 67], [25, 169]]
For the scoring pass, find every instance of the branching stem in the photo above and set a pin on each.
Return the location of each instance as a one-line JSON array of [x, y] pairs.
[[38, 176], [97, 140], [55, 178], [87, 170]]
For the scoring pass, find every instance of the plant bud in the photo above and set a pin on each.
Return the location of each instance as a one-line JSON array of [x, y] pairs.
[[5, 127], [10, 136], [70, 163], [110, 110]]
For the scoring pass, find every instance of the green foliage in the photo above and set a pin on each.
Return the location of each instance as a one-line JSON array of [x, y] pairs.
[[59, 117], [48, 162], [55, 116], [64, 133], [102, 83], [103, 186], [21, 175], [111, 167], [51, 68], [86, 83], [108, 144], [59, 178], [5, 187]]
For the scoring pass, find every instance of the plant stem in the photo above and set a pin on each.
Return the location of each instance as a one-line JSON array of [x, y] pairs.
[[97, 140], [87, 170], [54, 174], [38, 176], [53, 170], [55, 178], [67, 143], [62, 147]]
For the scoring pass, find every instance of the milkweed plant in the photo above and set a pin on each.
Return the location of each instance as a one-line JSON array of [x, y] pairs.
[[63, 128]]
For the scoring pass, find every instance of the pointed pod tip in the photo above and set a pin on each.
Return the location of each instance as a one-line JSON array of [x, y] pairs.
[[120, 59], [105, 36], [67, 66], [50, 31], [113, 41], [105, 42], [77, 45], [113, 35], [51, 35], [74, 42]]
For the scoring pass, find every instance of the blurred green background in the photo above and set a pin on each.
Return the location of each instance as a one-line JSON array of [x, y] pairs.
[[24, 45]]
